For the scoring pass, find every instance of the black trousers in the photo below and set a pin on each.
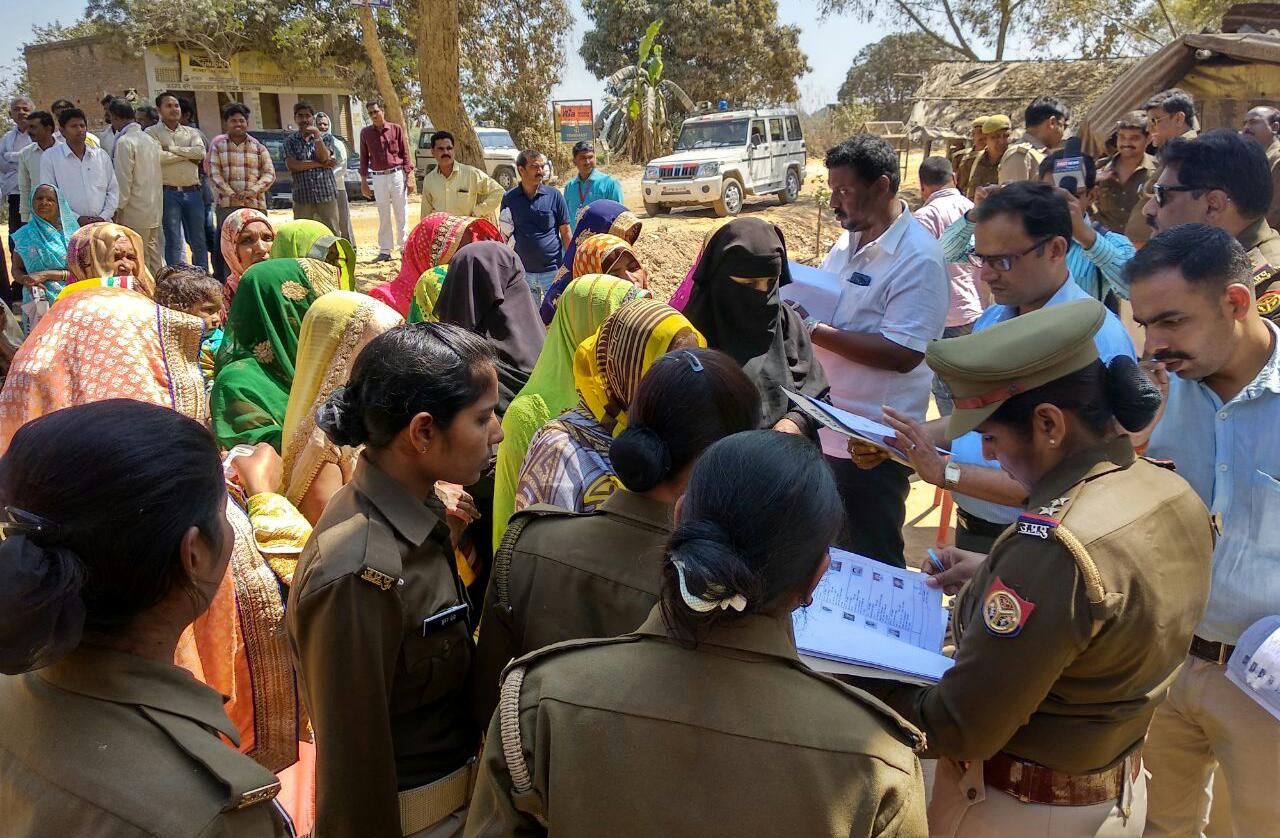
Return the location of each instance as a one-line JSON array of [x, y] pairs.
[[974, 533], [875, 505], [10, 291]]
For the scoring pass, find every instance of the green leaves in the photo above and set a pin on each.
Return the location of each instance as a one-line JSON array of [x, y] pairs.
[[646, 43]]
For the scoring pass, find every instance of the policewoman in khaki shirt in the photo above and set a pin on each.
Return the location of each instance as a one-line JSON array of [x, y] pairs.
[[704, 722], [379, 622], [561, 575], [114, 541], [1072, 629]]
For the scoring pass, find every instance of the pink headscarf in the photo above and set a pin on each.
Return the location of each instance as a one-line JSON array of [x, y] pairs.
[[231, 228], [432, 243]]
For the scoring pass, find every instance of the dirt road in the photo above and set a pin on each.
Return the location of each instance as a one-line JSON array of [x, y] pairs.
[[668, 244]]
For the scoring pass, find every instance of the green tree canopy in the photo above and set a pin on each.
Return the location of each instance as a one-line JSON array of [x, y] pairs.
[[885, 74], [714, 49]]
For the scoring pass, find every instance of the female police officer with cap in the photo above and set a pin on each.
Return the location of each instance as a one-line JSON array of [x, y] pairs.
[[1072, 629]]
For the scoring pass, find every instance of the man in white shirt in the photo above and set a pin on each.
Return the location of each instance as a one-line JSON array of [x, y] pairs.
[[943, 204], [893, 301], [83, 172], [40, 128], [11, 145], [137, 164]]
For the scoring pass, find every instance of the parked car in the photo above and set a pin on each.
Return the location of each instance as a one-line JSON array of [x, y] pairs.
[[500, 155], [281, 195], [722, 157]]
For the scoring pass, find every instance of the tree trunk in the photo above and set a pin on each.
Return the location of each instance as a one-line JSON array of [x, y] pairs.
[[378, 61], [438, 68]]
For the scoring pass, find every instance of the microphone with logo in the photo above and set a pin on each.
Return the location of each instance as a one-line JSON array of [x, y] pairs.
[[1068, 170]]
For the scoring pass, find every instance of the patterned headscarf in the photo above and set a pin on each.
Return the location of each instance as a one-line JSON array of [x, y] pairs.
[[255, 365], [595, 252], [90, 255], [228, 242], [431, 244], [608, 366], [599, 217]]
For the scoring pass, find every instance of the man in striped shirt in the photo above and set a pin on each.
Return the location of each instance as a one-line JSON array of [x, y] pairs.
[[240, 167]]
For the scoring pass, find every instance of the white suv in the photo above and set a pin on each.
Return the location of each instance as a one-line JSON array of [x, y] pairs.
[[722, 157], [500, 154]]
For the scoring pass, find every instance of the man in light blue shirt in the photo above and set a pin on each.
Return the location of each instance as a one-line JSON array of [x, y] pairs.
[[1192, 291], [1096, 256], [1023, 235], [591, 184]]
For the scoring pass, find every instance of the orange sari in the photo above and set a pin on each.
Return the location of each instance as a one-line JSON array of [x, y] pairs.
[[107, 343]]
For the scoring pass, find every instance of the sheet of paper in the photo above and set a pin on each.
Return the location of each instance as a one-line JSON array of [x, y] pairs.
[[867, 613], [815, 290], [852, 424], [1255, 664]]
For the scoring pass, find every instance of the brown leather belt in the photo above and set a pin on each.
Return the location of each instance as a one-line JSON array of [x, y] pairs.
[[1034, 783], [1210, 651]]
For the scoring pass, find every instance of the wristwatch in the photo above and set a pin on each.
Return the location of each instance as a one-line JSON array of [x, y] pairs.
[[811, 323], [951, 476]]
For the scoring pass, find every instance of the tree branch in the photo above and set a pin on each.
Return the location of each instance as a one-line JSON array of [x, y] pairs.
[[955, 27], [962, 47], [1173, 30]]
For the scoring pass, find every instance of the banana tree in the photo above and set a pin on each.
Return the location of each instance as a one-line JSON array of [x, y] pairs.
[[639, 103]]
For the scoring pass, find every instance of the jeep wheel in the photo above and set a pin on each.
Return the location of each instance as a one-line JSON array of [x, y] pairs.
[[730, 202], [792, 190], [654, 210], [506, 177]]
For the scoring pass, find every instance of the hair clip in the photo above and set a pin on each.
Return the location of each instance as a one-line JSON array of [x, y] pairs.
[[702, 605], [22, 522], [694, 363]]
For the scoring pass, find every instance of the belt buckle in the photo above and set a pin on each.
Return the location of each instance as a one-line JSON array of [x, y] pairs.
[[1222, 656]]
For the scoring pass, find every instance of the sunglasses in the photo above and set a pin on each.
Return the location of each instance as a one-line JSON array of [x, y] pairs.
[[1162, 191], [1004, 261]]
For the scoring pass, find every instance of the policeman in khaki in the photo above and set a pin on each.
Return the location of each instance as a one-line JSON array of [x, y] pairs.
[[1045, 120], [704, 721], [1072, 629], [984, 170]]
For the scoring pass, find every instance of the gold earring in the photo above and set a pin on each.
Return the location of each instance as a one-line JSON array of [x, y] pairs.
[[1053, 442]]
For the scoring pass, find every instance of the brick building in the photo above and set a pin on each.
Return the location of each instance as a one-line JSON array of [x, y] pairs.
[[84, 70]]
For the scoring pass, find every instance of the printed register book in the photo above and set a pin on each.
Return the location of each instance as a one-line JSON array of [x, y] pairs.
[[869, 618]]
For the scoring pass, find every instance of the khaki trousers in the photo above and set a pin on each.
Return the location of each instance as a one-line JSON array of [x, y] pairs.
[[962, 806], [1207, 722], [153, 255], [450, 827]]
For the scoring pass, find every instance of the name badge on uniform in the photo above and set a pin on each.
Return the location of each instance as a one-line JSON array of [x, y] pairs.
[[1003, 611], [443, 619], [1036, 526], [860, 278]]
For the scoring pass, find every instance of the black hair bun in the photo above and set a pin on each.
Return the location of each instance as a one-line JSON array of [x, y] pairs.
[[339, 417], [641, 458], [40, 596], [1134, 398]]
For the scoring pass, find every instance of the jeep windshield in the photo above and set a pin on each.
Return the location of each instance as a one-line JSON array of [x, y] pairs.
[[730, 132], [496, 139]]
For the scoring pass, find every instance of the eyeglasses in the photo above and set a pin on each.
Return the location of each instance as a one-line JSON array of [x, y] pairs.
[[1004, 261], [1162, 191]]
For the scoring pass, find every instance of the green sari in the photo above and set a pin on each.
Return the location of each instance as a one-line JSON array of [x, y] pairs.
[[551, 391], [255, 364], [425, 295], [307, 239]]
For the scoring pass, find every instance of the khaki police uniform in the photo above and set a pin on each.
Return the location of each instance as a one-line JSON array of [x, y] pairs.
[[983, 171], [1021, 160], [1138, 230], [1273, 160], [104, 743], [643, 736], [380, 632], [1263, 246], [962, 160], [561, 575], [1117, 198], [1071, 632]]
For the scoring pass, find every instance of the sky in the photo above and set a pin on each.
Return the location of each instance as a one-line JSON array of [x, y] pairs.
[[830, 45]]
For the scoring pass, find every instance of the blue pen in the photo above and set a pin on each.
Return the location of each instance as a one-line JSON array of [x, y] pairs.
[[937, 562]]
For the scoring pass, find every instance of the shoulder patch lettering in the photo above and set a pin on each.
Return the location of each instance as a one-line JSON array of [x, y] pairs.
[[1268, 303], [1035, 525], [1003, 611], [384, 581]]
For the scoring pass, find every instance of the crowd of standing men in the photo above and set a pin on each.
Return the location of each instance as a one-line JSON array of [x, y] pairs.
[[589, 464]]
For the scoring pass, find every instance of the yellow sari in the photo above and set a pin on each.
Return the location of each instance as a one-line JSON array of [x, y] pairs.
[[334, 330]]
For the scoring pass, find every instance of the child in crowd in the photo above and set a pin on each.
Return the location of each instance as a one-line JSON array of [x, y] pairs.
[[191, 290]]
